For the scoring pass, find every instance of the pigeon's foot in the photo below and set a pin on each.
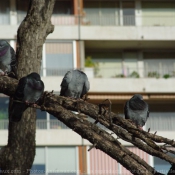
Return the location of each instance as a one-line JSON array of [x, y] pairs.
[[11, 74], [85, 97], [106, 106], [141, 128], [2, 73]]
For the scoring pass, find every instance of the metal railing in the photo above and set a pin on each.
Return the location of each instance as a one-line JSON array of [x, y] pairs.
[[40, 124], [116, 72], [161, 123], [158, 122], [54, 71], [108, 20], [114, 20]]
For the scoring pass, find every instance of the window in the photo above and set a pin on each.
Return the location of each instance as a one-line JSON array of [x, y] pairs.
[[159, 64], [4, 101], [162, 166], [128, 13], [5, 12], [158, 13], [130, 64], [57, 124], [63, 7], [161, 121], [102, 12], [62, 160], [109, 64], [22, 7], [59, 59], [39, 162]]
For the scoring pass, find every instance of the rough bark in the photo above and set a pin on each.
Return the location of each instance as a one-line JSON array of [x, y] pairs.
[[61, 108], [18, 155]]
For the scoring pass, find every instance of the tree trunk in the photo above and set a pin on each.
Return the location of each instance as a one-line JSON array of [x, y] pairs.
[[18, 155]]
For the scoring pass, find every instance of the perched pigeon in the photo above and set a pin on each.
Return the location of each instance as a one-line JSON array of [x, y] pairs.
[[137, 110], [29, 90], [7, 59], [75, 84]]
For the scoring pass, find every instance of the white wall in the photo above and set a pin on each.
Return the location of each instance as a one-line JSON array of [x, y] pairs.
[[119, 84], [101, 33]]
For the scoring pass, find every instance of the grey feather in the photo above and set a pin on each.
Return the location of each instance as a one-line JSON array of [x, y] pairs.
[[75, 84], [7, 59], [29, 89], [137, 110]]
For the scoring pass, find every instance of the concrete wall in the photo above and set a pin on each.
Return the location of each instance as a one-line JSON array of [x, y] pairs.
[[101, 33], [119, 84], [67, 137]]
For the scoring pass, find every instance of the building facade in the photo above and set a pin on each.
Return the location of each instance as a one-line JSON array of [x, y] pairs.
[[131, 44]]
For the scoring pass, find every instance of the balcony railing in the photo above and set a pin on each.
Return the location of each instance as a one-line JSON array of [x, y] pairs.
[[40, 124], [117, 72], [156, 123], [108, 20], [114, 20]]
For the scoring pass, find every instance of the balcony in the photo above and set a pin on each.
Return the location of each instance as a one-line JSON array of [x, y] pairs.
[[117, 72], [40, 124], [156, 122], [102, 27]]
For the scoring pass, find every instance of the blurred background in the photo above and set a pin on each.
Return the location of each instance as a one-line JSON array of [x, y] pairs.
[[124, 47]]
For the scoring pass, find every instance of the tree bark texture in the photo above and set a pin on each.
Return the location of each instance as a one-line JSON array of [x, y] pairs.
[[18, 156], [61, 108]]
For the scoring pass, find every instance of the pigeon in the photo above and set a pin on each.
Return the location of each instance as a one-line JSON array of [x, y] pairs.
[[7, 60], [28, 91], [137, 110], [75, 84]]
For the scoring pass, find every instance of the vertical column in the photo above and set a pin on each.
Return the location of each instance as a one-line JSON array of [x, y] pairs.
[[82, 54], [140, 64], [74, 54], [80, 48], [13, 12], [46, 161], [138, 12], [48, 120], [120, 13], [151, 161], [82, 159], [88, 160]]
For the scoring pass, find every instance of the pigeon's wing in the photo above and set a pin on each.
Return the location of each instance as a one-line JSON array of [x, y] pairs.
[[19, 93], [13, 64], [137, 104], [65, 82], [86, 87], [126, 110], [18, 108]]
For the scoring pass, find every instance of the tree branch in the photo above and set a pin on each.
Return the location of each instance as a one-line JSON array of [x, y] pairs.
[[59, 106]]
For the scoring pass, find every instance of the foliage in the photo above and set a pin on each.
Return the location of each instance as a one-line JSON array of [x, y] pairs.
[[154, 74], [90, 63], [134, 74], [166, 76], [119, 76]]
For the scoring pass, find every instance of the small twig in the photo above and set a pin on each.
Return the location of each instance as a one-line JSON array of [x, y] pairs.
[[155, 133], [93, 146]]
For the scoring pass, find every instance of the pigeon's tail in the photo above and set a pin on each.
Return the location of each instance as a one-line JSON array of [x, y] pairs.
[[17, 111]]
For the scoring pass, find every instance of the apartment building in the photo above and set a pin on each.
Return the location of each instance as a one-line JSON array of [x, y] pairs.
[[131, 44]]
